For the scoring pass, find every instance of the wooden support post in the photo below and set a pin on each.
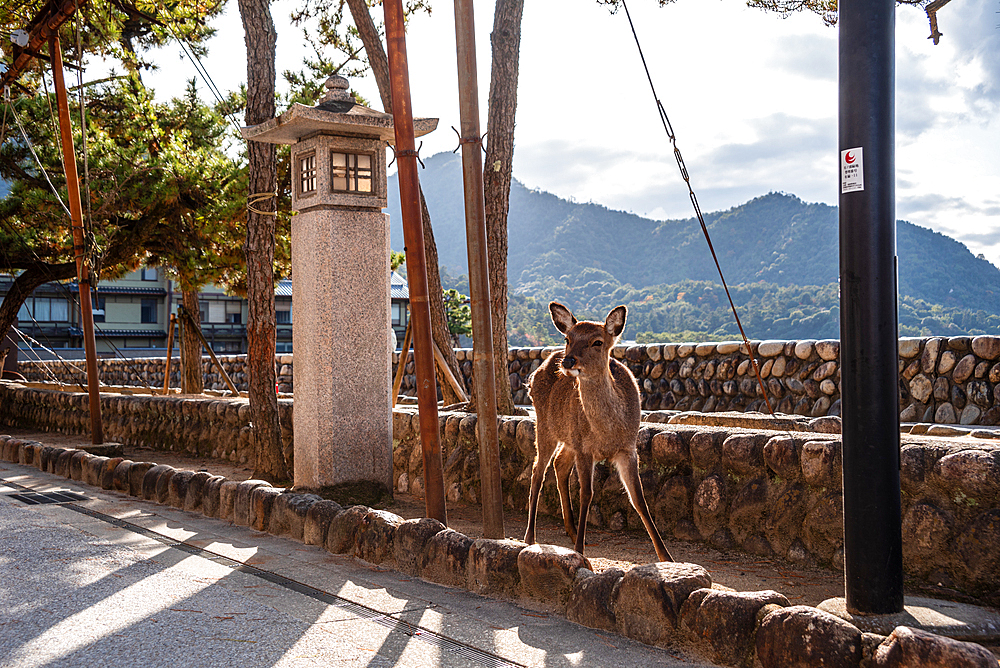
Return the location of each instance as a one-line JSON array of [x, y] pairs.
[[413, 234], [479, 281], [211, 353], [401, 366], [447, 372], [79, 247], [170, 350]]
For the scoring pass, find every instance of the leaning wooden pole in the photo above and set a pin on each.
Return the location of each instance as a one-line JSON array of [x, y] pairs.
[[479, 271], [208, 348], [79, 248], [170, 350], [401, 366], [416, 269]]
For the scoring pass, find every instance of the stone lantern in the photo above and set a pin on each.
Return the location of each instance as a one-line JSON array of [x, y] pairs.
[[340, 285]]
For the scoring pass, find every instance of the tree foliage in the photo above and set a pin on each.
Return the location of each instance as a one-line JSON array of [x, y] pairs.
[[825, 9], [459, 313], [699, 311], [142, 168], [156, 183]]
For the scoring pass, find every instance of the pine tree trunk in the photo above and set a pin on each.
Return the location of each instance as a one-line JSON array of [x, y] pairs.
[[506, 41], [192, 376], [260, 36], [439, 321]]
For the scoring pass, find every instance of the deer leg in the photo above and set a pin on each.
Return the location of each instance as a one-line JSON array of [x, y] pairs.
[[563, 466], [627, 464], [545, 446], [585, 472]]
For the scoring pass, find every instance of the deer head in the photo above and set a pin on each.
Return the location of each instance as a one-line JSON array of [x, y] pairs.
[[588, 343]]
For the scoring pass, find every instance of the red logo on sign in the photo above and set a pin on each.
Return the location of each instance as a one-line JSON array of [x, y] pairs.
[[849, 158]]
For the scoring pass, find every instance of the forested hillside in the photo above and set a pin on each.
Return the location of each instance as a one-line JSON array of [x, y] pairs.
[[779, 255]]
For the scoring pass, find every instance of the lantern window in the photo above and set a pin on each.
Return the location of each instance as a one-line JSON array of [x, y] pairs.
[[307, 173], [351, 172]]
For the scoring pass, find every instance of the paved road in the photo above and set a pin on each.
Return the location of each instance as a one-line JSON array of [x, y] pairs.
[[113, 581]]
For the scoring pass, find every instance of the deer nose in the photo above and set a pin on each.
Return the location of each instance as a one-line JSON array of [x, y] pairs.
[[569, 362]]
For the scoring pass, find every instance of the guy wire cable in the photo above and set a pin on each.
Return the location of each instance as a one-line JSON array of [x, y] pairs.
[[697, 209]]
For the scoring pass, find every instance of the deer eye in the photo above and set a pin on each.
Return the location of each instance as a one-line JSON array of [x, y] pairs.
[[598, 343]]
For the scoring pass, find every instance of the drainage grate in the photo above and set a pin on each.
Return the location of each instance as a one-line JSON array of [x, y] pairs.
[[42, 498]]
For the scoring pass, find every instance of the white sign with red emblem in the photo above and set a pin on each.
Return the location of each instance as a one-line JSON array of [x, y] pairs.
[[852, 170]]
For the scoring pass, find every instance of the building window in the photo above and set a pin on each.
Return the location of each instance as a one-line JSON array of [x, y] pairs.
[[283, 317], [234, 312], [43, 308], [203, 310], [148, 311], [397, 313], [99, 312], [350, 172], [283, 347], [307, 174], [148, 274], [60, 310]]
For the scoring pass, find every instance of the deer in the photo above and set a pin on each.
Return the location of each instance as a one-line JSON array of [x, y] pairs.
[[587, 410]]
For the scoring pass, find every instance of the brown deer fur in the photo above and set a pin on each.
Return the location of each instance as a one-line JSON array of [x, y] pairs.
[[587, 410]]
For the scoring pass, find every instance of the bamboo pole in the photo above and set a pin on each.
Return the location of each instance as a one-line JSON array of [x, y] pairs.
[[479, 280], [79, 247]]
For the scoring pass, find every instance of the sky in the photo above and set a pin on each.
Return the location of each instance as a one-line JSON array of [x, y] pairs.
[[751, 96]]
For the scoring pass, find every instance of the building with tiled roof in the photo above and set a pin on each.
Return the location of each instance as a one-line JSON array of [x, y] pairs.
[[132, 315]]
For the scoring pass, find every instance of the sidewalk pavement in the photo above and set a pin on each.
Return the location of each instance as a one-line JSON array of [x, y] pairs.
[[117, 581]]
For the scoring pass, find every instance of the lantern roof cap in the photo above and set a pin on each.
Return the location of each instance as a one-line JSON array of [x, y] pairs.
[[337, 112]]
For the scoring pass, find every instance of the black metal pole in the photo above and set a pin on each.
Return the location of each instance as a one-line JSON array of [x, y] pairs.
[[873, 564]]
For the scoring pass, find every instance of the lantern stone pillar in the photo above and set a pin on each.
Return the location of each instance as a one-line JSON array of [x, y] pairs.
[[341, 332]]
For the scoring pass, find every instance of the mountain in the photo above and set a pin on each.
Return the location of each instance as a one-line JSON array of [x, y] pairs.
[[776, 238]]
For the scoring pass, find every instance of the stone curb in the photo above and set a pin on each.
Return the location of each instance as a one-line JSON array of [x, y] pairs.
[[659, 603]]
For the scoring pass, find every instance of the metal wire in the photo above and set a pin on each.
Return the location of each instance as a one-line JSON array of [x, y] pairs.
[[697, 209], [31, 148], [73, 369]]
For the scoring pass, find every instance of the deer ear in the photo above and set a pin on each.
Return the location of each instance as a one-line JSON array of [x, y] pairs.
[[615, 322], [561, 317]]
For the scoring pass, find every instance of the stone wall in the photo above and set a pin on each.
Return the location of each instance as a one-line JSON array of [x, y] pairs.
[[945, 380], [773, 489], [659, 604], [770, 490], [208, 427], [148, 372]]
